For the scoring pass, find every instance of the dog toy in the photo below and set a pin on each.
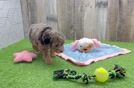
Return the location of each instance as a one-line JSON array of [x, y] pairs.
[[101, 74], [85, 44], [24, 56]]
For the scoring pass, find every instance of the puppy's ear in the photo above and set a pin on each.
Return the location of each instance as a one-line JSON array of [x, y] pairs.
[[97, 43], [75, 45], [47, 39]]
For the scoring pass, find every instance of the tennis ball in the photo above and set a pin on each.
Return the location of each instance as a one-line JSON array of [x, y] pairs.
[[102, 74]]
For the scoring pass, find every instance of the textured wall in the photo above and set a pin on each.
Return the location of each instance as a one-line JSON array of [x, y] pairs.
[[102, 19], [11, 27]]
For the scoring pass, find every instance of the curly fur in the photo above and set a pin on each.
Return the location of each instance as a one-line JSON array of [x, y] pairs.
[[45, 40]]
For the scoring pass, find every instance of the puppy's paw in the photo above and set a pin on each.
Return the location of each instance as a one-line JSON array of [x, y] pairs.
[[49, 63], [48, 60], [53, 55]]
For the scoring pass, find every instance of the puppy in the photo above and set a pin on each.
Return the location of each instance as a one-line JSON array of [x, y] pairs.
[[45, 40], [85, 44]]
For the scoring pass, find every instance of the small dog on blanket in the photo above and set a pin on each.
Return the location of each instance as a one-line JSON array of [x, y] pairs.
[[46, 41], [85, 44]]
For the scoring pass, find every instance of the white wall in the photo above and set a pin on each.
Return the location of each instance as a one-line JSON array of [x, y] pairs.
[[11, 26]]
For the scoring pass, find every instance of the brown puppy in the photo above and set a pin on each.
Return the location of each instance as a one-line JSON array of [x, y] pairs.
[[45, 40]]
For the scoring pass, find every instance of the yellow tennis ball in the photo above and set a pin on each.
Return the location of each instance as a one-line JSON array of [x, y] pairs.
[[102, 74]]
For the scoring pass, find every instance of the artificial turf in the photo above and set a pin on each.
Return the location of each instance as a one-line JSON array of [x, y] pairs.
[[39, 75]]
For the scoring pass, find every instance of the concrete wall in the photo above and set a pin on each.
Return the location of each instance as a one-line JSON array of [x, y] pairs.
[[11, 26]]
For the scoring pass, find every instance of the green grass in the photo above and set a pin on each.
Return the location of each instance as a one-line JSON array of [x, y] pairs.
[[39, 75]]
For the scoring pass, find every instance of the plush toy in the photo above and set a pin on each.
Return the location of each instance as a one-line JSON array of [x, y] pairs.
[[85, 44], [24, 56], [101, 74]]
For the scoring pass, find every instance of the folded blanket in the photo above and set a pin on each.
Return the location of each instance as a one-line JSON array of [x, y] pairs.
[[105, 51]]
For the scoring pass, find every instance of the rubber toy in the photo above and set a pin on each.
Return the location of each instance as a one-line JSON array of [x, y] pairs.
[[24, 56], [101, 74]]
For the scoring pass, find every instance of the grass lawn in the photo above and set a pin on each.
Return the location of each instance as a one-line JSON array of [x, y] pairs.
[[39, 75]]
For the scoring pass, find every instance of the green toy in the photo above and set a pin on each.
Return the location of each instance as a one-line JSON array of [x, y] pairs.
[[101, 74]]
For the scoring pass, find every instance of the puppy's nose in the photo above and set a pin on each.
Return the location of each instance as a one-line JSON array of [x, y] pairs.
[[61, 51], [85, 49]]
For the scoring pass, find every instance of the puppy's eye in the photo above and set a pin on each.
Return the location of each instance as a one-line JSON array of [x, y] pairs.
[[89, 46], [80, 46]]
